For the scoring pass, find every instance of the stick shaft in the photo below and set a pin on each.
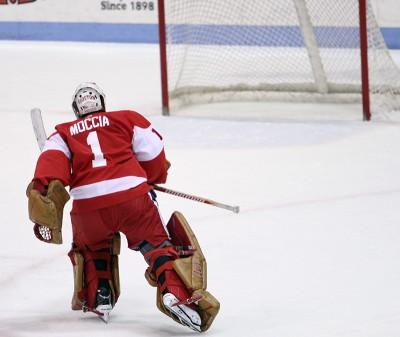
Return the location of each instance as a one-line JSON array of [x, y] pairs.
[[234, 209]]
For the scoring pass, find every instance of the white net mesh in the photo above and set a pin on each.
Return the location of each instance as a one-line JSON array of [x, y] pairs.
[[298, 50]]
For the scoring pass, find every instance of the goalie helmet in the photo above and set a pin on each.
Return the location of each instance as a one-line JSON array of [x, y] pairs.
[[88, 98]]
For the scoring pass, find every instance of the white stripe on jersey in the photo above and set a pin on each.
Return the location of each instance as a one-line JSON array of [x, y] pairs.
[[55, 142], [146, 144], [106, 187]]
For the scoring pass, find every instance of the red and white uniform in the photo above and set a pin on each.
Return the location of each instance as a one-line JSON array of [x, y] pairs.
[[106, 158], [109, 160]]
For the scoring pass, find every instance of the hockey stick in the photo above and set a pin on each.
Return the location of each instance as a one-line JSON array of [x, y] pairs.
[[40, 133], [234, 209], [38, 127]]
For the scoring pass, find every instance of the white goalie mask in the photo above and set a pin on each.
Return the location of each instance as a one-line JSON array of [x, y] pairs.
[[88, 98]]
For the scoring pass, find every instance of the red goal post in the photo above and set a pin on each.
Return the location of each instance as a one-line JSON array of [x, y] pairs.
[[289, 50], [364, 59]]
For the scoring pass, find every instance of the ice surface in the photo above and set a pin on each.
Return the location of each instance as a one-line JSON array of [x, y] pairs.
[[314, 252]]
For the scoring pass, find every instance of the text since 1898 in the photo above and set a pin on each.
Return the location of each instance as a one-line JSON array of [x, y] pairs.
[[123, 5]]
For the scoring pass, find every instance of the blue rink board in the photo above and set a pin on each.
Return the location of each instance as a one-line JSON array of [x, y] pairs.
[[201, 34]]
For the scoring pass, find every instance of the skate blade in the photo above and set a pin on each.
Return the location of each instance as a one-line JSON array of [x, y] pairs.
[[183, 313]]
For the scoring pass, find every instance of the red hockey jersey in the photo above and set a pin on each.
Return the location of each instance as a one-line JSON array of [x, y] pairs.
[[106, 158]]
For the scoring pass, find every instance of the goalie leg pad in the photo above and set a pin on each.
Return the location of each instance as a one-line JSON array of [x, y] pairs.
[[78, 263], [193, 268], [92, 267], [190, 265]]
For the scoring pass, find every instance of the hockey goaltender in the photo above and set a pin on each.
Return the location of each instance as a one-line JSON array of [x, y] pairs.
[[110, 160]]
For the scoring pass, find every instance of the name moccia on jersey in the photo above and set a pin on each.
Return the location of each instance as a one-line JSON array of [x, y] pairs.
[[89, 123]]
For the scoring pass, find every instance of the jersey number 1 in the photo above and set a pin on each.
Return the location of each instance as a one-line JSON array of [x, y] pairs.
[[93, 141]]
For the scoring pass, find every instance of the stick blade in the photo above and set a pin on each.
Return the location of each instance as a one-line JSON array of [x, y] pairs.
[[38, 127]]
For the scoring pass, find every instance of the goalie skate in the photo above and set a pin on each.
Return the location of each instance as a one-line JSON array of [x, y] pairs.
[[104, 304], [183, 313], [104, 313]]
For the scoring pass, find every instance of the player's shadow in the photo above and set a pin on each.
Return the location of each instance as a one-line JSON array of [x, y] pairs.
[[74, 324]]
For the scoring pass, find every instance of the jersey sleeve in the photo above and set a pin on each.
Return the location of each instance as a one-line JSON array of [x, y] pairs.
[[54, 161], [148, 147]]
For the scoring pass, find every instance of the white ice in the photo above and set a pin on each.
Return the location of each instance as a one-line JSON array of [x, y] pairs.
[[314, 252]]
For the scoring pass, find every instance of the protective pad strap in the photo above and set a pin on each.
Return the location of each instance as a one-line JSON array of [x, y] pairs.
[[152, 256]]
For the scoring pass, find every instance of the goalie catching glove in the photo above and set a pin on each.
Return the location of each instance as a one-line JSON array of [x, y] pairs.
[[46, 210]]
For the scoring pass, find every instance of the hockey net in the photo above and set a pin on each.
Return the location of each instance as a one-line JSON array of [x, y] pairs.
[[267, 50]]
